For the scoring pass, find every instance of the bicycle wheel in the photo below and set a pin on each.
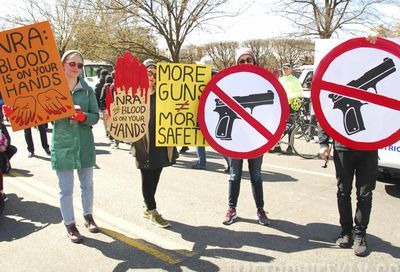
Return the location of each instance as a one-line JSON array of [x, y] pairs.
[[304, 140]]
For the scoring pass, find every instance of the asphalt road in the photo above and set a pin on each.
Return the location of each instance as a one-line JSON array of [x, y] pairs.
[[300, 197]]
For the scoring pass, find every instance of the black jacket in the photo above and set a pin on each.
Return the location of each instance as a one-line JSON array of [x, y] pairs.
[[154, 157]]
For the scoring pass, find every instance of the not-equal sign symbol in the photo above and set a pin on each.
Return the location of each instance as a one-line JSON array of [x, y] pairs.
[[183, 106]]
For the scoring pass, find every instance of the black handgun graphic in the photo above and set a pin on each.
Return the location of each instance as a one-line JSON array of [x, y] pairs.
[[351, 108], [227, 116]]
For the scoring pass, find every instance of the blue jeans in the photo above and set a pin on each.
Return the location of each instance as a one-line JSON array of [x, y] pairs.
[[66, 184], [255, 178], [201, 155]]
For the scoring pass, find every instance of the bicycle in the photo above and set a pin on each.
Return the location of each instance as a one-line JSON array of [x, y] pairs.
[[303, 132]]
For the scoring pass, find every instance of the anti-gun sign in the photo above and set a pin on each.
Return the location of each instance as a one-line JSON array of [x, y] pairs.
[[243, 111], [32, 79], [355, 93]]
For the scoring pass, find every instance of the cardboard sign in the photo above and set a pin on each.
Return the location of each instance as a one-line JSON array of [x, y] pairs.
[[355, 93], [32, 79], [243, 111], [129, 107], [179, 87]]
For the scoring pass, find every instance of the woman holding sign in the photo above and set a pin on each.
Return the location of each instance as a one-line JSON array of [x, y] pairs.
[[151, 159], [246, 57], [73, 147]]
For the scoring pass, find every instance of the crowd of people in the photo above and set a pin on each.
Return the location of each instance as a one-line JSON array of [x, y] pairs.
[[73, 148]]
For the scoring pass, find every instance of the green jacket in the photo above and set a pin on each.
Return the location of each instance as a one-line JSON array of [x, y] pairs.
[[72, 145]]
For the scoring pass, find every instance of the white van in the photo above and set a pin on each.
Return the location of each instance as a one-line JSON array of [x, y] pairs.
[[91, 71], [389, 160]]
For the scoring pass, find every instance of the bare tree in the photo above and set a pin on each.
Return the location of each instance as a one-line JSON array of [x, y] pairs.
[[263, 51], [80, 24], [222, 53], [64, 16], [173, 20], [324, 18], [293, 51], [388, 31]]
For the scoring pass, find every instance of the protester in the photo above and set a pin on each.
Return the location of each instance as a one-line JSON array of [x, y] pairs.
[[246, 57], [108, 86], [3, 147], [151, 159], [10, 150], [294, 90], [99, 86], [201, 150], [43, 139], [73, 147], [349, 163]]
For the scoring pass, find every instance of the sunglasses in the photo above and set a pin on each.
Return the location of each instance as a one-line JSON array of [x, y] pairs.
[[73, 64], [246, 60], [151, 74]]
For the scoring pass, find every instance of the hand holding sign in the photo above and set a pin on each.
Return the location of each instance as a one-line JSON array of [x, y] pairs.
[[51, 102]]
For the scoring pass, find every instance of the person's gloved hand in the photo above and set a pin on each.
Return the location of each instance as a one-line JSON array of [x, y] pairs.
[[79, 116], [8, 110]]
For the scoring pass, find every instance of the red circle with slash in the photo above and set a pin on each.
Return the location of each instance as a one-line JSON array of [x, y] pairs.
[[318, 84], [272, 137]]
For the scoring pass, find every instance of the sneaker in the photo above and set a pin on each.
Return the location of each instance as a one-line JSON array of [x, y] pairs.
[[360, 246], [262, 218], [276, 149], [199, 167], [184, 149], [158, 220], [345, 240], [47, 151], [73, 233], [230, 216], [31, 154], [90, 224], [146, 213]]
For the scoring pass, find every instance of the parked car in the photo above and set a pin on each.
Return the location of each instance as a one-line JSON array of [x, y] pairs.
[[91, 71], [306, 73], [389, 161]]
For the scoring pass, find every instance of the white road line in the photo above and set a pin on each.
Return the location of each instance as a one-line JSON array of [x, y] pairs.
[[298, 170]]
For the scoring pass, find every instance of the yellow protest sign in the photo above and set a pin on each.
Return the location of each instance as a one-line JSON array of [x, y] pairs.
[[32, 80], [179, 87]]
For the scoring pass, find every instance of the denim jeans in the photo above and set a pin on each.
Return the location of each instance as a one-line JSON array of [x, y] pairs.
[[255, 178], [66, 184], [363, 165], [201, 155]]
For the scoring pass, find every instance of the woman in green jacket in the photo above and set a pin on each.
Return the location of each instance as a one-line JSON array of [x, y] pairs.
[[73, 147]]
